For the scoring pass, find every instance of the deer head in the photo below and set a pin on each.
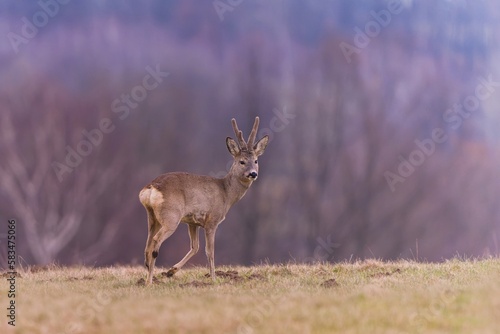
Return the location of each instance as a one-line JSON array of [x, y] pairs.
[[245, 165]]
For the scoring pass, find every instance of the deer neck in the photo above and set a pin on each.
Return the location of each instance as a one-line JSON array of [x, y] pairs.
[[235, 188]]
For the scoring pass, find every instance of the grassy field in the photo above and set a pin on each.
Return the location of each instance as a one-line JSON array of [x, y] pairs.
[[362, 297]]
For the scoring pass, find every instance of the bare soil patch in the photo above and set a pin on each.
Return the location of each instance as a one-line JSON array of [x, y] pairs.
[[7, 274], [195, 284], [41, 268], [385, 273], [142, 281], [330, 283], [233, 275]]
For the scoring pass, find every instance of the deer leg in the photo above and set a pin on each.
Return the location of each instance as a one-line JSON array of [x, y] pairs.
[[195, 246], [149, 259], [209, 250], [165, 231], [153, 227]]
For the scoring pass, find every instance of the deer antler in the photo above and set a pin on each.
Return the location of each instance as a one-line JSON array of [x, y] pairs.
[[239, 135], [253, 134]]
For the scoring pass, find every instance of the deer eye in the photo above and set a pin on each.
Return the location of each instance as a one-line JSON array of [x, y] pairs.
[[256, 162], [242, 162]]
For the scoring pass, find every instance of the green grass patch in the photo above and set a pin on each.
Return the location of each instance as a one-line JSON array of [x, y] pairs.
[[361, 297]]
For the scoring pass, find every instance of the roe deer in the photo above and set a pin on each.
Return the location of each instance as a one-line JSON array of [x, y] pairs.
[[199, 201]]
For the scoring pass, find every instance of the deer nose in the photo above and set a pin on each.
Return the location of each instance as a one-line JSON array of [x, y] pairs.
[[253, 175]]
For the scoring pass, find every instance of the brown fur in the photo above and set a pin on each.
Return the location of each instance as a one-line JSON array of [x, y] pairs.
[[199, 201]]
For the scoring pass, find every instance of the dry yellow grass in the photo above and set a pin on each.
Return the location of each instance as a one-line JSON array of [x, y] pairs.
[[362, 297]]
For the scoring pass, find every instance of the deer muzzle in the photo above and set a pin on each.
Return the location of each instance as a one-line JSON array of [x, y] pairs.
[[253, 175]]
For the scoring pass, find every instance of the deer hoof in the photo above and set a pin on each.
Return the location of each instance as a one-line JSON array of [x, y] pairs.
[[171, 272]]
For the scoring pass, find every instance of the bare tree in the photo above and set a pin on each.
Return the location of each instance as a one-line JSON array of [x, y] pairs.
[[51, 212]]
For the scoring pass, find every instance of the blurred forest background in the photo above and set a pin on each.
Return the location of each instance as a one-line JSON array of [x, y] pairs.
[[340, 123]]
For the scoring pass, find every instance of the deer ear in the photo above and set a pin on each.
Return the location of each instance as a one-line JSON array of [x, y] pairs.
[[232, 146], [261, 145]]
